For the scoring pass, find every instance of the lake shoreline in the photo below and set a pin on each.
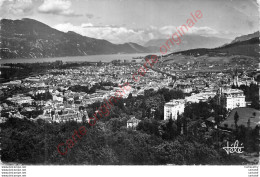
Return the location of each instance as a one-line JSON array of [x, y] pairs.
[[88, 58]]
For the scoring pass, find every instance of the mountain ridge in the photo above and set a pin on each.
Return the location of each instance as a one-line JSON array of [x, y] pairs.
[[240, 46], [246, 37], [188, 42], [29, 38]]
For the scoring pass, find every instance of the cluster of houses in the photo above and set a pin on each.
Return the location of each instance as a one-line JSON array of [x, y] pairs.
[[229, 98], [64, 103]]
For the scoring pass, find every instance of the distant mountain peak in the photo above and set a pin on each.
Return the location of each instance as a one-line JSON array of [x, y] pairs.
[[246, 37]]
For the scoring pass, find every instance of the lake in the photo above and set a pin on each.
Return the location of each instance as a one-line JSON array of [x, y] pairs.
[[90, 58]]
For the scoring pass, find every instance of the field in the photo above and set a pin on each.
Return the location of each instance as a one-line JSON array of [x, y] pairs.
[[244, 115]]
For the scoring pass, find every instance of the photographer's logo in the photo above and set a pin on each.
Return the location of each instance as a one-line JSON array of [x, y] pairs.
[[233, 148]]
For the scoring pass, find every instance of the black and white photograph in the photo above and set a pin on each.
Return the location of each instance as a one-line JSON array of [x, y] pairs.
[[142, 83]]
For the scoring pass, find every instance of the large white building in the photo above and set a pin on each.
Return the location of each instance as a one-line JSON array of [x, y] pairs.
[[232, 98], [200, 97], [173, 107]]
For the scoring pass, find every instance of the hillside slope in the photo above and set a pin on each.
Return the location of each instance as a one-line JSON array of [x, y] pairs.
[[248, 47]]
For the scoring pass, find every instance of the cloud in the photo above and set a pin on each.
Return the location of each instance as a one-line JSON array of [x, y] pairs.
[[122, 34], [16, 7], [90, 16], [57, 7], [1, 2], [113, 34], [168, 30], [85, 25], [202, 30]]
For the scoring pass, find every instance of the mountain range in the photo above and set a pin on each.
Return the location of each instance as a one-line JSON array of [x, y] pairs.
[[246, 37], [188, 41], [246, 45], [28, 38]]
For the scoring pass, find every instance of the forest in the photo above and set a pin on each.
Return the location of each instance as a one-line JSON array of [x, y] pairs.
[[184, 141]]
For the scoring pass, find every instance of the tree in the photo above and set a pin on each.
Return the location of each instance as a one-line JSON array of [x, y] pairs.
[[130, 96], [169, 153], [255, 136], [179, 124], [236, 117], [84, 118], [248, 123], [149, 126], [171, 130], [81, 108]]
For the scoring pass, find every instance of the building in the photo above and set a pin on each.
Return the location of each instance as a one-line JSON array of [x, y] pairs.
[[232, 98], [200, 97], [57, 98], [173, 108], [185, 88], [20, 99], [133, 122]]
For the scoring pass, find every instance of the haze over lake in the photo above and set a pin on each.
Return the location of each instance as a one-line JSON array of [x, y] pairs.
[[90, 58]]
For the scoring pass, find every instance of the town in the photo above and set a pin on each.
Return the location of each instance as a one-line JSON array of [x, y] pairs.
[[195, 100]]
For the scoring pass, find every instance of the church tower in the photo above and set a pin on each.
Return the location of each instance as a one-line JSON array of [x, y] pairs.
[[235, 78]]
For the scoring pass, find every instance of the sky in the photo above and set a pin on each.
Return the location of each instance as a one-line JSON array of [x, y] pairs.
[[139, 21]]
